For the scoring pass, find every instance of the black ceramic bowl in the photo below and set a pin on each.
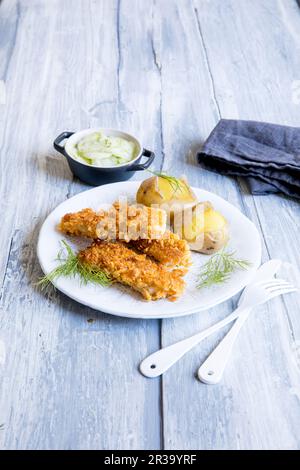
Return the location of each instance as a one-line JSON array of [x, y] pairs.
[[96, 175]]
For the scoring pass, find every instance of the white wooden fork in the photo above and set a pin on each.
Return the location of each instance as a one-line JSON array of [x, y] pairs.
[[211, 371], [255, 294]]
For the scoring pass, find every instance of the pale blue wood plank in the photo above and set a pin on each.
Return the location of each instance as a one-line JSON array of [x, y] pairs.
[[70, 378], [251, 60], [67, 383]]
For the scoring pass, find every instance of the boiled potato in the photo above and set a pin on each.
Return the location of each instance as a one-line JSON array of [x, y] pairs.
[[166, 191], [204, 228]]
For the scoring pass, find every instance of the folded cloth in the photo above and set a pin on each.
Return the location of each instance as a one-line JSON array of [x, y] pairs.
[[268, 155]]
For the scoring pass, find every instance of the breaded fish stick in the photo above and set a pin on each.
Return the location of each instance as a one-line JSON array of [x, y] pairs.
[[80, 224], [126, 266], [169, 250], [121, 222]]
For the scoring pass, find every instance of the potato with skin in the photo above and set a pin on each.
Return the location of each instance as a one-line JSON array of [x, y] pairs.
[[166, 191], [204, 228]]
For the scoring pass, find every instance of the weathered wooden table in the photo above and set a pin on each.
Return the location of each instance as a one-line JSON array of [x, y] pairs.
[[166, 70]]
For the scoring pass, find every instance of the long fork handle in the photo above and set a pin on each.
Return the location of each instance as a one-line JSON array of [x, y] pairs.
[[211, 371], [160, 361]]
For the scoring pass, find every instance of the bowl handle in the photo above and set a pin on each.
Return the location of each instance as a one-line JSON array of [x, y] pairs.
[[143, 166], [59, 139]]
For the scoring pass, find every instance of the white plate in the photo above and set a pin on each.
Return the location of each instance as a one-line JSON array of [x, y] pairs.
[[119, 300]]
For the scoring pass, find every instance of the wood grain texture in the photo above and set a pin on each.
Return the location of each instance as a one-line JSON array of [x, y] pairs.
[[166, 72], [251, 68]]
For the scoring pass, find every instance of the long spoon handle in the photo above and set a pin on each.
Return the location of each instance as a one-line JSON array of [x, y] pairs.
[[160, 361]]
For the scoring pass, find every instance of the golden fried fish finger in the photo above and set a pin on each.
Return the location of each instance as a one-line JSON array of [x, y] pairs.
[[126, 266]]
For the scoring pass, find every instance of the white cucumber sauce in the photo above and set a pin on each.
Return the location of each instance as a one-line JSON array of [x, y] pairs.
[[100, 150]]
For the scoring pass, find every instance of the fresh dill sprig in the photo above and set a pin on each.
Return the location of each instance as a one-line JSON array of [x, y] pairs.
[[70, 266], [219, 268], [175, 183]]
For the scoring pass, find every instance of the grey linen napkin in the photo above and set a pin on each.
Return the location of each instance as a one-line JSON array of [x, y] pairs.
[[268, 155]]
